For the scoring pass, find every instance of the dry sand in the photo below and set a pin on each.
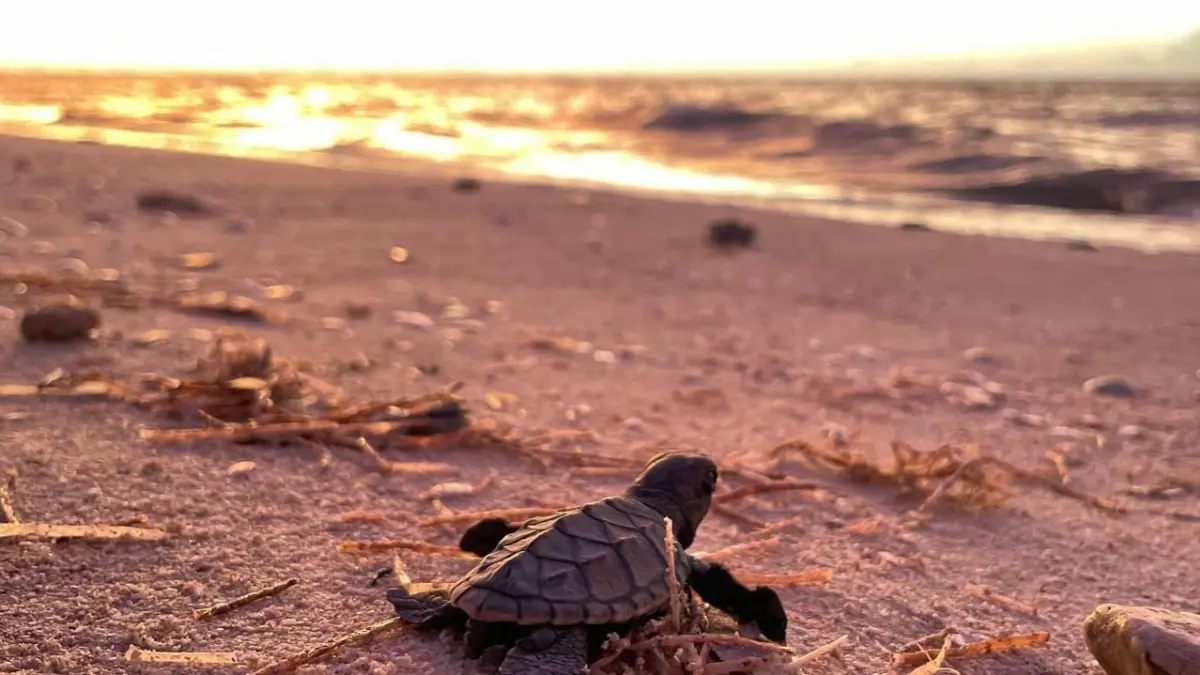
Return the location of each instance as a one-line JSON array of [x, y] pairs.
[[816, 301]]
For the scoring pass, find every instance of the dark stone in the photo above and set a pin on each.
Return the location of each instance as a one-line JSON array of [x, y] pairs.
[[157, 201], [64, 322], [731, 233]]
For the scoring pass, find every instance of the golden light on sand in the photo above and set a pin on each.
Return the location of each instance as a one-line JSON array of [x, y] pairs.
[[544, 34]]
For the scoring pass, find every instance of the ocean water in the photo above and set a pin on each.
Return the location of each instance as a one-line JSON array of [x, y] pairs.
[[1111, 163]]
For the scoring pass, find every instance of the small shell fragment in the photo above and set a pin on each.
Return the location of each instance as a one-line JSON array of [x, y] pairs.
[[448, 490], [240, 468], [199, 261]]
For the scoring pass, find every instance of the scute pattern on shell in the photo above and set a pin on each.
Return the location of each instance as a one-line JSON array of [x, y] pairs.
[[599, 563]]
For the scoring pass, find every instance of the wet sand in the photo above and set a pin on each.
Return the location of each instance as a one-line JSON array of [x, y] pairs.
[[816, 304]]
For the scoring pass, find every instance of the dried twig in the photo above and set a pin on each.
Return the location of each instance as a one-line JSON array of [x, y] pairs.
[[9, 530], [934, 666], [8, 514], [676, 641], [983, 648], [294, 662], [737, 549], [244, 600], [919, 643], [819, 575], [672, 580], [352, 546], [189, 658], [794, 665], [1001, 600], [507, 514]]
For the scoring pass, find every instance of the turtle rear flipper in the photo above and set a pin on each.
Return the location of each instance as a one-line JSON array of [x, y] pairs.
[[548, 651], [428, 609]]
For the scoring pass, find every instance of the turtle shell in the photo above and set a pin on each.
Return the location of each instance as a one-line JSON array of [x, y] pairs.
[[599, 563]]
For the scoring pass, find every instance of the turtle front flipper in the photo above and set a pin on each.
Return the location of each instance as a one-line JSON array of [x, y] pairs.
[[483, 537], [428, 609], [548, 651], [719, 588]]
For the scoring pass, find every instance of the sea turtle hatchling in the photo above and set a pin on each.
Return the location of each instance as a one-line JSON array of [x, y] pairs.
[[554, 587]]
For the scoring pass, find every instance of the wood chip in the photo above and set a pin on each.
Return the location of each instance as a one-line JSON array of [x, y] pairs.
[[137, 654], [244, 600], [47, 530]]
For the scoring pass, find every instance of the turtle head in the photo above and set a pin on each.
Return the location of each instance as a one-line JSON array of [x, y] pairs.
[[679, 485]]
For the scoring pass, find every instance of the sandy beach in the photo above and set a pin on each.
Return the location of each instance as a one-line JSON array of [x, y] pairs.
[[822, 327]]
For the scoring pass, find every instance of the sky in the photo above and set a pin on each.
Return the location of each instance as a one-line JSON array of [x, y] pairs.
[[520, 35]]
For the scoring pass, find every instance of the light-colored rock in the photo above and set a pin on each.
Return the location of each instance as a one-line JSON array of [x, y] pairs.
[[1144, 640]]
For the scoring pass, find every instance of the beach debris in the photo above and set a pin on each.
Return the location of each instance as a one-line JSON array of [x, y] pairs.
[[1110, 385], [8, 513], [103, 284], [52, 531], [1130, 639], [243, 394], [242, 601], [466, 184], [296, 661], [159, 201], [64, 321], [728, 233], [914, 653], [398, 254], [138, 655], [962, 476], [240, 468], [493, 591], [1001, 600]]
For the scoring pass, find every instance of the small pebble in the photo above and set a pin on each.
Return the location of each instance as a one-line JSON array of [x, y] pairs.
[[240, 468], [414, 319], [1110, 385], [64, 322], [1131, 431], [980, 355]]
